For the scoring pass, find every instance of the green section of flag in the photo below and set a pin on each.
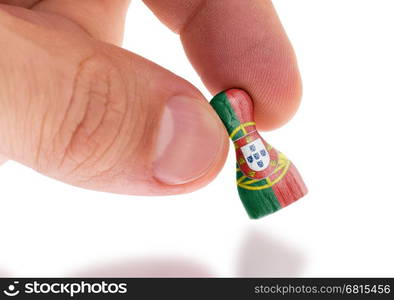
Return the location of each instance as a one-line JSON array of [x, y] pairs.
[[257, 203], [225, 111]]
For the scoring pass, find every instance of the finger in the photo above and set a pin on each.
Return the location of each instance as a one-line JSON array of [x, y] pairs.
[[238, 44], [102, 19], [22, 3], [3, 159], [96, 116]]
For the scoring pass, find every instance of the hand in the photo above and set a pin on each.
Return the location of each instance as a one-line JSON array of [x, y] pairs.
[[76, 107]]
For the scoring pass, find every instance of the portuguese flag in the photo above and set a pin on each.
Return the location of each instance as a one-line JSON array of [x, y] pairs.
[[266, 179]]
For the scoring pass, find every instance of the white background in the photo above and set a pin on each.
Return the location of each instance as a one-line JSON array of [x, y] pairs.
[[341, 140]]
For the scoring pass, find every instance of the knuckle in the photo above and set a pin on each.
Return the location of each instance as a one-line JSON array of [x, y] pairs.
[[90, 134]]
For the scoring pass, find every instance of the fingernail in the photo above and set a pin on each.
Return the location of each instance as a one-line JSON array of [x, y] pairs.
[[189, 141]]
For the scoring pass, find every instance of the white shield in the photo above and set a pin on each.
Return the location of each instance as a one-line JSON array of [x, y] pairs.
[[256, 155]]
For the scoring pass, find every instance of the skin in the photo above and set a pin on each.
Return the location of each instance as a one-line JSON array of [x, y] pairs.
[[69, 51]]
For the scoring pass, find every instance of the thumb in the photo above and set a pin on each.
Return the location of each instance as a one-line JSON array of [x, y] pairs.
[[96, 116]]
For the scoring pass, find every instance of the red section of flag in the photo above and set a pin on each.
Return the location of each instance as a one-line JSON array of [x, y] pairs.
[[241, 104], [290, 188]]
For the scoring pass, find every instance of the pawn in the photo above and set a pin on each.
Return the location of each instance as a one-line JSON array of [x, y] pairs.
[[266, 179]]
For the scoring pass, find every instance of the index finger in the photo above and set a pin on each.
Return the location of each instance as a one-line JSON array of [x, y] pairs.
[[238, 44]]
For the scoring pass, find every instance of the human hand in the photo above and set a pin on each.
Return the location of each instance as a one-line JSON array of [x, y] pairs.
[[76, 107]]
